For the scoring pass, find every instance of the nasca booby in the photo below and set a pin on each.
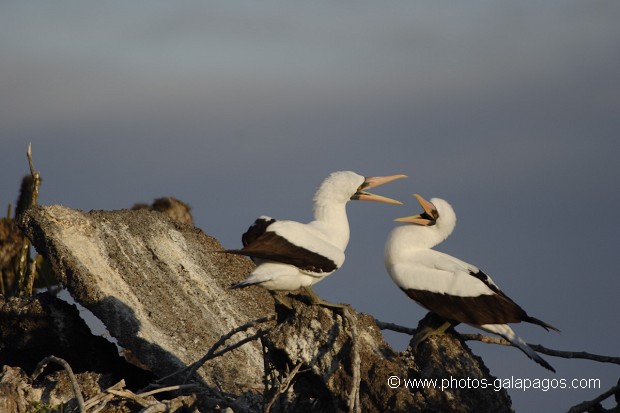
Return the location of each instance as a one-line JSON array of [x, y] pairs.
[[455, 290], [291, 255]]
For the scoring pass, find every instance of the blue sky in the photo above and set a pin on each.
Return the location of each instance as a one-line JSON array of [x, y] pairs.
[[510, 111]]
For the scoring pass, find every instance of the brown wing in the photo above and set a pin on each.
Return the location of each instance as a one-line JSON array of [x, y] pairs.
[[483, 309], [256, 230], [259, 242]]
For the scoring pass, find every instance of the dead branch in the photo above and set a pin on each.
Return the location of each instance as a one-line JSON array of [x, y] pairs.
[[354, 395], [103, 398], [550, 352], [395, 327], [192, 368], [211, 354], [581, 407], [127, 394], [169, 388], [588, 405], [74, 384], [502, 342], [26, 279], [284, 386]]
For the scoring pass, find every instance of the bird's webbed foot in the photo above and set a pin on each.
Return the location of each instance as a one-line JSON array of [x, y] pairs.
[[428, 331]]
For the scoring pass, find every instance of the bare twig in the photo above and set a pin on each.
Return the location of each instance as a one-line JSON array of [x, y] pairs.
[[500, 341], [354, 395], [74, 384], [118, 390], [192, 368], [550, 352], [26, 280], [164, 407], [169, 388], [395, 327], [212, 351], [286, 383], [127, 394], [211, 355], [103, 398], [588, 405]]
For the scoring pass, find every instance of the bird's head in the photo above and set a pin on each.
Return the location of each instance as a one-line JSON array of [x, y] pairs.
[[343, 186], [429, 215], [434, 212], [428, 228]]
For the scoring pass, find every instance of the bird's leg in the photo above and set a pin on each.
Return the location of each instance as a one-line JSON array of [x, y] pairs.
[[316, 300], [285, 301], [428, 331]]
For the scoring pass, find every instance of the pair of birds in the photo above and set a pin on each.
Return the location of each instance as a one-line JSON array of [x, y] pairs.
[[291, 256]]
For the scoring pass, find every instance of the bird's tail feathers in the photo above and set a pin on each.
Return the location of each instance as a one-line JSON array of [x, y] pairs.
[[506, 332], [243, 284], [541, 323]]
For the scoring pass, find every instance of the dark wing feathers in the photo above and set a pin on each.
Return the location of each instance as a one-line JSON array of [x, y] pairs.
[[497, 308], [259, 242], [483, 309], [256, 230]]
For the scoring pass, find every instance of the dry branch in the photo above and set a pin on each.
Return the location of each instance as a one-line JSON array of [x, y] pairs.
[[550, 352], [212, 351], [26, 278], [502, 342], [587, 406], [192, 368], [103, 398], [74, 384], [354, 395], [286, 383]]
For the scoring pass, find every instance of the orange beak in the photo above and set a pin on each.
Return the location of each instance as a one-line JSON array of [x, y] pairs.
[[373, 182], [427, 218]]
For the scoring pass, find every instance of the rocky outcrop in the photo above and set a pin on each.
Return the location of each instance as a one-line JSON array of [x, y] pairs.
[[160, 287], [340, 352]]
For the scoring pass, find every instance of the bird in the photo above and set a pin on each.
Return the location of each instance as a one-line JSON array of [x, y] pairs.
[[447, 286], [291, 255]]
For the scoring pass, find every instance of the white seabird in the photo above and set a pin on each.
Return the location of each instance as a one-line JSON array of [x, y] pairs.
[[291, 255], [453, 289]]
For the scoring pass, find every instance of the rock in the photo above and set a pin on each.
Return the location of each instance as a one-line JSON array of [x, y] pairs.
[[55, 393], [34, 328], [468, 383], [322, 341], [16, 394], [159, 286], [170, 206]]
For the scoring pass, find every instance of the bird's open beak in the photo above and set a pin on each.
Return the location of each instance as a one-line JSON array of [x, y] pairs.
[[426, 218], [373, 182]]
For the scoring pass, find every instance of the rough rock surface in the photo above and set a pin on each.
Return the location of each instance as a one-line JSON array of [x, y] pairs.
[[36, 327], [159, 286], [322, 341], [465, 376]]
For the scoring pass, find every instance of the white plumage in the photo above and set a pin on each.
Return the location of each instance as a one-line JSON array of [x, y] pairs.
[[291, 255], [448, 286]]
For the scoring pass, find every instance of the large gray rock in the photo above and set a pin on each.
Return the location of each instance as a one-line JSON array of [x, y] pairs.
[[338, 353], [159, 286]]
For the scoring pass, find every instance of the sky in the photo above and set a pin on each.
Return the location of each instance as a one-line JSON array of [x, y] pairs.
[[508, 110]]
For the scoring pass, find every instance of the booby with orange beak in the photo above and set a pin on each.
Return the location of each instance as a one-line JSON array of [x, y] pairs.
[[453, 289], [291, 255]]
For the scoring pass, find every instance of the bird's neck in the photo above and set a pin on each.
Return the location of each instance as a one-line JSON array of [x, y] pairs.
[[331, 218], [408, 238]]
